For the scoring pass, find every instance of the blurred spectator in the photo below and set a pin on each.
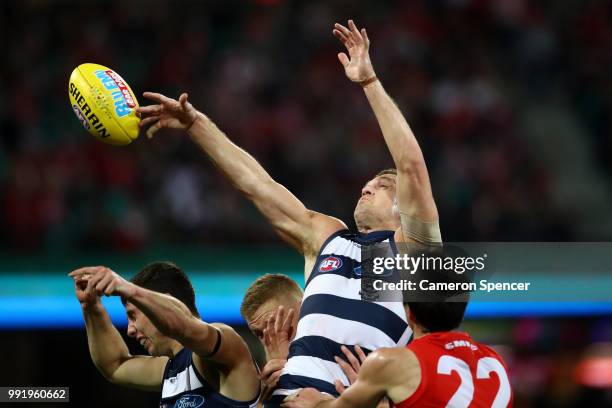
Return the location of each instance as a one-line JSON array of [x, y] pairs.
[[267, 73]]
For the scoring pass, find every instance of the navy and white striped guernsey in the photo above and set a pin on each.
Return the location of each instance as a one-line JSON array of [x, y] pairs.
[[183, 386], [333, 314]]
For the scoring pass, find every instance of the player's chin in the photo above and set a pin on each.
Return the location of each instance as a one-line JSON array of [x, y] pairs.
[[148, 346], [362, 211]]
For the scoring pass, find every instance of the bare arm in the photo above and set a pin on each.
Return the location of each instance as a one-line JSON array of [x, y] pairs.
[[219, 344], [109, 352], [303, 229], [169, 315], [414, 193], [385, 372]]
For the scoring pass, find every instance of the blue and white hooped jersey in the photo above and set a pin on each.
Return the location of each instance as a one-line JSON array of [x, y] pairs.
[[183, 387], [333, 314]]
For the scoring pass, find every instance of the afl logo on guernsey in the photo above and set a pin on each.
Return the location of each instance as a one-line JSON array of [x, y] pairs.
[[190, 401], [331, 263]]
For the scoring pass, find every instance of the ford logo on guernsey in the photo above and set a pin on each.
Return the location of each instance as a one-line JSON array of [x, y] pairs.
[[190, 401], [331, 263]]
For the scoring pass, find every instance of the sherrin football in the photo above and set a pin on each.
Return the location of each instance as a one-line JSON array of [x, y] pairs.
[[104, 103]]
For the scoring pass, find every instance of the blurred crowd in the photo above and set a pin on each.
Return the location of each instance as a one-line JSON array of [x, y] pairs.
[[266, 72], [553, 363]]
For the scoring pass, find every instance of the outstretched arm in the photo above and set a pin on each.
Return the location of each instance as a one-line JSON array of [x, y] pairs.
[[303, 229], [413, 188], [386, 372], [108, 350]]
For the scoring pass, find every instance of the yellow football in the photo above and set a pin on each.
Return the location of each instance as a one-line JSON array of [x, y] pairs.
[[104, 103]]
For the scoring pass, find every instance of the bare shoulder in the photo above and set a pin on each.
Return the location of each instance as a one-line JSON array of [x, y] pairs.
[[229, 333], [400, 370], [393, 366], [326, 222], [222, 327], [232, 354], [396, 355]]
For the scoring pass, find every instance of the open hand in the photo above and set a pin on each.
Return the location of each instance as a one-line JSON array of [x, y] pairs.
[[167, 113], [278, 334], [357, 65], [350, 368], [270, 375]]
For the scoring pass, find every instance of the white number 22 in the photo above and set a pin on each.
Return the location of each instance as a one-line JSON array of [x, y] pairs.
[[465, 393]]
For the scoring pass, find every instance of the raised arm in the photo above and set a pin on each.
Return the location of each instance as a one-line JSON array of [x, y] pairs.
[[303, 229], [219, 344], [414, 195], [109, 352]]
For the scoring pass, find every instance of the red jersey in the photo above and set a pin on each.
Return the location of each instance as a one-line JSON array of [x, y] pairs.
[[457, 372]]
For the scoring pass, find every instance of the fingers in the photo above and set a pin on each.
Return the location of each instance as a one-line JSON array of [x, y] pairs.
[[269, 332], [355, 32], [183, 100], [344, 59], [344, 34], [339, 35], [266, 338], [101, 286], [292, 397], [279, 319], [80, 284], [158, 98], [272, 380], [351, 358], [85, 271], [360, 353], [351, 36], [272, 366], [364, 34], [154, 129], [339, 386], [110, 289], [346, 368], [286, 326], [384, 403], [149, 110], [147, 121], [91, 284]]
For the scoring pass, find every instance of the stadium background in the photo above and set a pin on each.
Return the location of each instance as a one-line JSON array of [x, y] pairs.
[[511, 101]]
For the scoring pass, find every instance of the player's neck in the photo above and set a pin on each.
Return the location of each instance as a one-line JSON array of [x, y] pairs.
[[366, 229], [418, 332]]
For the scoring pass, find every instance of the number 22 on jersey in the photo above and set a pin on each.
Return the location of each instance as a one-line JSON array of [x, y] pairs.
[[463, 396]]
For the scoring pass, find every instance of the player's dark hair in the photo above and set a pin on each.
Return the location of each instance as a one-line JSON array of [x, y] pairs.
[[438, 316], [166, 277]]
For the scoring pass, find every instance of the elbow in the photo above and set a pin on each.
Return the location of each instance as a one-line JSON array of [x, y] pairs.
[[108, 371], [411, 165]]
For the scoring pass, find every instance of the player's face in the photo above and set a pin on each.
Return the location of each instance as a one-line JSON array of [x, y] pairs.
[[141, 329], [376, 206], [259, 320]]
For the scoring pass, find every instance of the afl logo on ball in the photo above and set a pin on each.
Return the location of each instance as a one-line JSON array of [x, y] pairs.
[[331, 263]]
